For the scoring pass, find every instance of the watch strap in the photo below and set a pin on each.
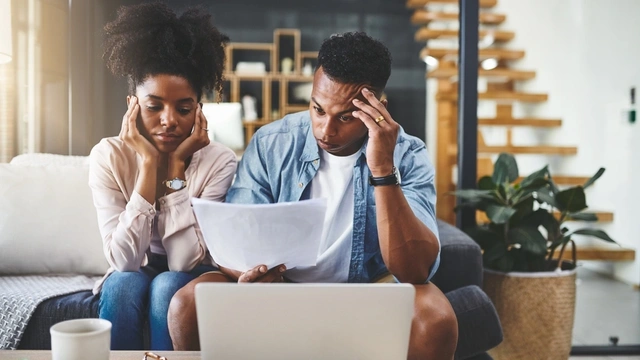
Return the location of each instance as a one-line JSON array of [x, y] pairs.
[[385, 180]]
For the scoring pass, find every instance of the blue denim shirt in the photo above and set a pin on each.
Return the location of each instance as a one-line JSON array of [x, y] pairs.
[[282, 159]]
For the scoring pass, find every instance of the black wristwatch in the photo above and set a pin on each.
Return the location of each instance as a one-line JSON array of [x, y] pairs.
[[393, 179]]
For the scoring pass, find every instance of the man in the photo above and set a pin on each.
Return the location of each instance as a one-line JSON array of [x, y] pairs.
[[379, 186]]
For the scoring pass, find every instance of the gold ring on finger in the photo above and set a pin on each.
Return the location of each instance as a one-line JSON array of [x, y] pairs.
[[379, 119]]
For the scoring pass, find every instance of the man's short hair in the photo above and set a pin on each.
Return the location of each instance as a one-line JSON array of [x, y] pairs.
[[355, 58]]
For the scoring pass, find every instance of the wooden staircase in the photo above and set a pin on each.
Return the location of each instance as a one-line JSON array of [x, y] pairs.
[[501, 90]]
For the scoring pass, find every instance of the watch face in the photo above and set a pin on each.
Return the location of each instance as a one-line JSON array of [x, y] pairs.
[[176, 184], [397, 172]]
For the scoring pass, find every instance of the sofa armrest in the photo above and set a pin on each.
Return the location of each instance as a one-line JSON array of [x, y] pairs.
[[460, 260], [479, 328]]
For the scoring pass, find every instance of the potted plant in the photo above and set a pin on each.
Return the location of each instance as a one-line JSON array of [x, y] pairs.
[[532, 288]]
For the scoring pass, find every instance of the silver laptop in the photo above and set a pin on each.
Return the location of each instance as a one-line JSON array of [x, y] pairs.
[[304, 321]]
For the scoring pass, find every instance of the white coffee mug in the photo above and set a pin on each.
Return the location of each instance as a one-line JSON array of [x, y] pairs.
[[81, 339]]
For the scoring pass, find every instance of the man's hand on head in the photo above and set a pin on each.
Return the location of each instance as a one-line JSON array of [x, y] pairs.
[[259, 273], [383, 133]]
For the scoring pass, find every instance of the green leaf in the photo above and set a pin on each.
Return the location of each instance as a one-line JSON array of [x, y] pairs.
[[474, 195], [485, 183], [536, 179], [544, 196], [523, 208], [495, 252], [572, 199], [499, 214], [552, 184], [502, 191], [505, 169], [593, 178], [498, 258], [595, 233], [485, 237], [530, 239], [582, 216]]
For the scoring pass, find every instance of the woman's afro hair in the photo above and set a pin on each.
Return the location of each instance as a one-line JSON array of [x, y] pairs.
[[150, 39]]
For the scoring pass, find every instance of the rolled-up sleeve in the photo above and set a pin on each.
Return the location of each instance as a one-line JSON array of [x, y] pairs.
[[418, 186], [125, 227]]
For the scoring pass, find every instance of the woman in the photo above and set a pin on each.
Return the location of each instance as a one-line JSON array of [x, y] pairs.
[[142, 180]]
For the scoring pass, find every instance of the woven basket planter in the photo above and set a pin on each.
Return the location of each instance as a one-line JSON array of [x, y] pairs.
[[536, 311]]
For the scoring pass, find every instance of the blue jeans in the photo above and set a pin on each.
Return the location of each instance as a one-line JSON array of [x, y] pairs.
[[131, 300]]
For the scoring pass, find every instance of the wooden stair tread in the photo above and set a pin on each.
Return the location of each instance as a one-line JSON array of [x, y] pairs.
[[414, 4], [520, 122], [536, 149], [566, 179], [499, 54], [498, 95], [425, 33], [507, 74], [423, 17], [603, 216], [600, 253]]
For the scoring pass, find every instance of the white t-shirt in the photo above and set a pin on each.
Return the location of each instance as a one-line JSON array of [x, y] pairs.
[[333, 182]]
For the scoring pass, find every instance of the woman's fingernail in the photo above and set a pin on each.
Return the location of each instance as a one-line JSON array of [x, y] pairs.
[[282, 269], [356, 101], [366, 90], [263, 269]]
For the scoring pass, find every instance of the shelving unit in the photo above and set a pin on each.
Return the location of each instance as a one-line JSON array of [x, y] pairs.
[[286, 43]]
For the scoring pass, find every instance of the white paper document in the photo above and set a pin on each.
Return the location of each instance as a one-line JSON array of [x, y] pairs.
[[242, 236]]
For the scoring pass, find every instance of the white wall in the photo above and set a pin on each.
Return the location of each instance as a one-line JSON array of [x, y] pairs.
[[587, 57]]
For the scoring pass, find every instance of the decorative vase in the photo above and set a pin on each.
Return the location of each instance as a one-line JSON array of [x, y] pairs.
[[249, 108], [286, 66], [536, 311]]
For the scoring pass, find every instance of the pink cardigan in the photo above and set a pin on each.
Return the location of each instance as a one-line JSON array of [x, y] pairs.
[[125, 218]]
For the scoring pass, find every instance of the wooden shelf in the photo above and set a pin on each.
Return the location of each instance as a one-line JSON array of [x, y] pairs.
[[533, 122], [495, 74], [286, 43], [498, 54], [247, 76], [423, 17], [291, 108], [498, 95], [426, 33], [258, 122], [293, 77], [414, 4]]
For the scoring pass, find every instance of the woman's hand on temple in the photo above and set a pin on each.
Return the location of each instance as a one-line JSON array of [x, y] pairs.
[[198, 139], [131, 136]]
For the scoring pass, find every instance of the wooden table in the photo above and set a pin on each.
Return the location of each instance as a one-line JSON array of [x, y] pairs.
[[115, 355]]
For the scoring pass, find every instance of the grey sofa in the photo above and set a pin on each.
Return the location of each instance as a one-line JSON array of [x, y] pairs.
[[459, 277]]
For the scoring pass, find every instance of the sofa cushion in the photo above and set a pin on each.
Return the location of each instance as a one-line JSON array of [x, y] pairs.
[[48, 223]]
